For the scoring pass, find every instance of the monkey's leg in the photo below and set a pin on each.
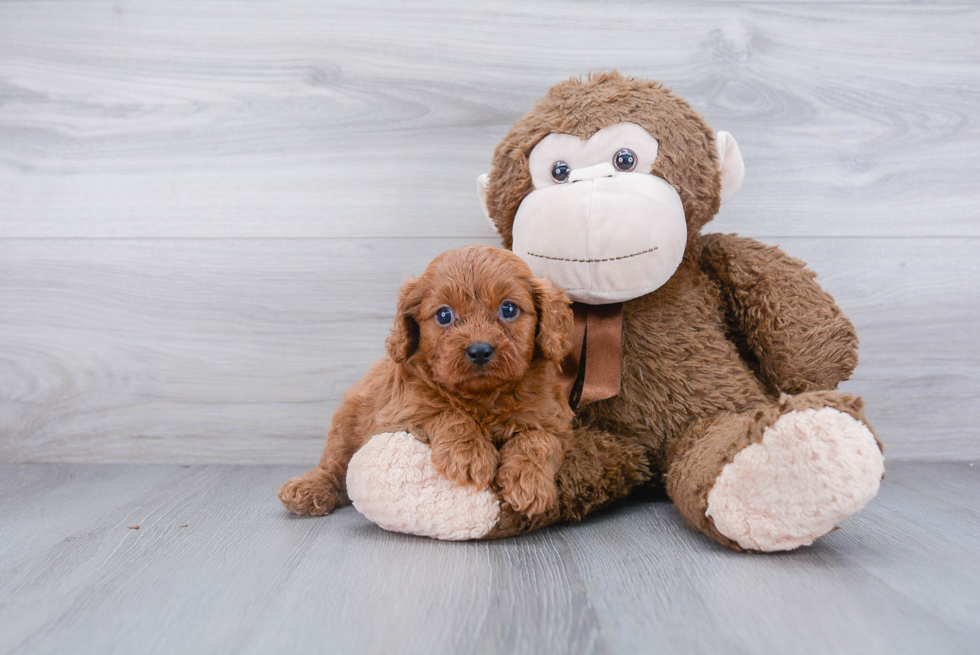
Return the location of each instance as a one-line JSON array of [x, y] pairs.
[[778, 477], [393, 483]]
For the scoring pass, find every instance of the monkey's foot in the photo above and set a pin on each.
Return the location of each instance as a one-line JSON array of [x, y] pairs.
[[813, 468], [392, 482]]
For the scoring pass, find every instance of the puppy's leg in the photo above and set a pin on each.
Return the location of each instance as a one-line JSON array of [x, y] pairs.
[[319, 491], [461, 451], [529, 462], [316, 492]]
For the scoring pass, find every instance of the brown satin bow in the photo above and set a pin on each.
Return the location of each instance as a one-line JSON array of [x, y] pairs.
[[593, 369]]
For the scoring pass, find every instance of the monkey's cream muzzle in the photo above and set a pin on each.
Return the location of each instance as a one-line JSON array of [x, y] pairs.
[[605, 236]]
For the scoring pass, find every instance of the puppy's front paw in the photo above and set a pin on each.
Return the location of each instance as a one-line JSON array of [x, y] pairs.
[[309, 495], [467, 460], [527, 488]]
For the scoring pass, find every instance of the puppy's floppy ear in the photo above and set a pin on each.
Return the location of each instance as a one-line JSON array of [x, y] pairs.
[[404, 339], [554, 319]]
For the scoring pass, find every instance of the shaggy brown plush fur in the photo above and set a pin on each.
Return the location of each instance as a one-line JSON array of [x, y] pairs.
[[504, 423], [707, 355]]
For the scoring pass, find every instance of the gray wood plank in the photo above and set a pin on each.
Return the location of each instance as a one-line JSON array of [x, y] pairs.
[[239, 351], [250, 351], [246, 577], [305, 118], [934, 563], [958, 488], [687, 594]]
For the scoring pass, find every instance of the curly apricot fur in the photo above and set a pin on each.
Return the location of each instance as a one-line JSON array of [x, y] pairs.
[[510, 412]]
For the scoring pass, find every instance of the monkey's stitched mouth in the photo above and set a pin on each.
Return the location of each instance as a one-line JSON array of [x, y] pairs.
[[591, 261]]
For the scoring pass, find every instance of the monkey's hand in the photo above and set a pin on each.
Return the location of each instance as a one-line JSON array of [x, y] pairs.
[[393, 483], [794, 328]]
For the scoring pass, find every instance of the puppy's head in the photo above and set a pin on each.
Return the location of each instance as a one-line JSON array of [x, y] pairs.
[[478, 318]]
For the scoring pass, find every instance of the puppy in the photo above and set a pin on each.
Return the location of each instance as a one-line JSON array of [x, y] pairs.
[[473, 370]]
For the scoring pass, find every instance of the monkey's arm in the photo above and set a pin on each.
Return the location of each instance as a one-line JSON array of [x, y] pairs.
[[792, 328]]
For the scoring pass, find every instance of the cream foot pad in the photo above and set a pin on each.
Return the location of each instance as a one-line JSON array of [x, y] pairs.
[[392, 482], [812, 469]]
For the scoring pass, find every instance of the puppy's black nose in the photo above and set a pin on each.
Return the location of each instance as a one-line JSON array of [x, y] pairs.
[[479, 353]]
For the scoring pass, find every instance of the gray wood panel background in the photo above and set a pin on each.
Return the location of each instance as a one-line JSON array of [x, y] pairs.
[[206, 209]]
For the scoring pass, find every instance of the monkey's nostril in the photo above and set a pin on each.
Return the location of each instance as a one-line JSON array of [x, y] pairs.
[[479, 353]]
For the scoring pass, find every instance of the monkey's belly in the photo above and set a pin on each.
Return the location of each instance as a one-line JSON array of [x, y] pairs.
[[678, 364]]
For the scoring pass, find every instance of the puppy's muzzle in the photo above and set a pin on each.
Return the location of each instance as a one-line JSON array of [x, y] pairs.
[[479, 353]]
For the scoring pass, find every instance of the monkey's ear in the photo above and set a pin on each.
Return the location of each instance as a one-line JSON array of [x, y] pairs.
[[482, 183], [730, 165], [404, 338], [554, 319]]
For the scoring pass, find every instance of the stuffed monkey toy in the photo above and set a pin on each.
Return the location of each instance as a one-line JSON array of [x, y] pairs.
[[704, 364]]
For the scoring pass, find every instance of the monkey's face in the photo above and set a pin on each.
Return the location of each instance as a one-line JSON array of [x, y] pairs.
[[598, 222], [602, 185]]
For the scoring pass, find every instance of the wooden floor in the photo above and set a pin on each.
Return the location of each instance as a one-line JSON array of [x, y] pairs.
[[217, 566]]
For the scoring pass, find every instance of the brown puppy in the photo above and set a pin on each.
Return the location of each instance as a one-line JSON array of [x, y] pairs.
[[473, 371]]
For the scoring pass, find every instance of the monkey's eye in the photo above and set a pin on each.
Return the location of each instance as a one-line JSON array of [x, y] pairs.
[[560, 171], [444, 316], [508, 310], [625, 160]]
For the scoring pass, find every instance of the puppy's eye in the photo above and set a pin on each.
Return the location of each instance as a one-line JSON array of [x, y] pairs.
[[625, 160], [508, 310], [560, 171], [445, 316]]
